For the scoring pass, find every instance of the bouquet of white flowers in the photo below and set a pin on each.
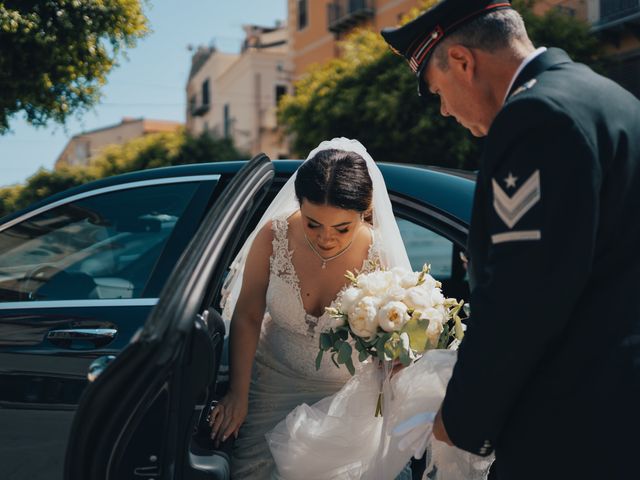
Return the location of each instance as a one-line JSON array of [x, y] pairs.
[[391, 315]]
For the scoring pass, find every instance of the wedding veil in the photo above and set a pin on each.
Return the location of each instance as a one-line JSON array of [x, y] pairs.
[[386, 232]]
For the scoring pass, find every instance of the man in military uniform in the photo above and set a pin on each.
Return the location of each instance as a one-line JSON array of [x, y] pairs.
[[548, 374]]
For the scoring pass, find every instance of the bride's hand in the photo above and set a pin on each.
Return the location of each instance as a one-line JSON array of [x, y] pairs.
[[227, 417]]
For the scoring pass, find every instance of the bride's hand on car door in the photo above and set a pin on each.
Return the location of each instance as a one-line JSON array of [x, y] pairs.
[[227, 417]]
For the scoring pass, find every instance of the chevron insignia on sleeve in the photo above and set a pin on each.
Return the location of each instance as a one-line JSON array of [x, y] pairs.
[[512, 209]]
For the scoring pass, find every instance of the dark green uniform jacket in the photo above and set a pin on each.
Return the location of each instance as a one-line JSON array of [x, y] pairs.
[[548, 374]]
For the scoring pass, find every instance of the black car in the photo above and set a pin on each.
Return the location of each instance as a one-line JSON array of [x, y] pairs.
[[126, 272]]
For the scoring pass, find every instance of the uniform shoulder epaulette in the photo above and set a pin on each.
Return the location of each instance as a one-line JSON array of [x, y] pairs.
[[524, 87]]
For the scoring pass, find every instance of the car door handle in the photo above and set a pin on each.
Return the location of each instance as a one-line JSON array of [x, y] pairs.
[[74, 337]]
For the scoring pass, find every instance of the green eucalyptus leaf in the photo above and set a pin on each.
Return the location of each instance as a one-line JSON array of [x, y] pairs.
[[333, 359], [350, 367], [319, 359], [344, 353], [363, 355], [326, 341]]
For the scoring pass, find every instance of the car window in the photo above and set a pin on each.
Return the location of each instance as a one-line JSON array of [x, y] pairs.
[[99, 247], [425, 246]]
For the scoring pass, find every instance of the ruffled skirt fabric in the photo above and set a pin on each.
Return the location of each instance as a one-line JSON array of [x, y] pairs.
[[340, 438]]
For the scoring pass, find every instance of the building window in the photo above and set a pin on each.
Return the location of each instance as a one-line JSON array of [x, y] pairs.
[[205, 92], [227, 121], [192, 104], [302, 14], [280, 91]]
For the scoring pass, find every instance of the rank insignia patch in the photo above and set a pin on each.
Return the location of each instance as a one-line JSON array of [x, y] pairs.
[[512, 209]]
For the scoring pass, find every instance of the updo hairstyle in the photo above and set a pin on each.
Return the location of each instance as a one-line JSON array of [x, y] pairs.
[[337, 178]]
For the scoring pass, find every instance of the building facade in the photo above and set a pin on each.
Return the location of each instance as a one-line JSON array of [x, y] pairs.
[[84, 146], [618, 24], [315, 26], [236, 95]]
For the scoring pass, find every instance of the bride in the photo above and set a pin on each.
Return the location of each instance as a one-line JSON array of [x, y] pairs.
[[333, 215]]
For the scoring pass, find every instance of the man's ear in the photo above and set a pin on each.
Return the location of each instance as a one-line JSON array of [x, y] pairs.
[[462, 60]]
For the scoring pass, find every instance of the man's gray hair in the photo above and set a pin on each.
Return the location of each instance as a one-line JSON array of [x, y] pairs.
[[491, 32]]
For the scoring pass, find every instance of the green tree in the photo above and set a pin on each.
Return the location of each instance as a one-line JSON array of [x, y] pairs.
[[370, 94], [56, 54], [151, 151]]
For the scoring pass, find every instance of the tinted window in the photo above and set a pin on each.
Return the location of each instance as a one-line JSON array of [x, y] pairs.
[[104, 246], [425, 246]]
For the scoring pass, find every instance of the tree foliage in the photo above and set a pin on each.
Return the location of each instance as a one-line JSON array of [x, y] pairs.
[[370, 94], [56, 54], [151, 151]]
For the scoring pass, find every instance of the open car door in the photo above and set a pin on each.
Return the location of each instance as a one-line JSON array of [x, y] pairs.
[[138, 419]]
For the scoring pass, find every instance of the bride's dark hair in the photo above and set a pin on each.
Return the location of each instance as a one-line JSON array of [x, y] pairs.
[[335, 177]]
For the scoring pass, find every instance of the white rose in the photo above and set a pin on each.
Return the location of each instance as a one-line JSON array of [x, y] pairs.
[[376, 283], [392, 316], [418, 298], [350, 297], [336, 322], [362, 317]]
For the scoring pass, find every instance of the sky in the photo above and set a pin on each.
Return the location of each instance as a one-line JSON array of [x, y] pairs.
[[150, 84]]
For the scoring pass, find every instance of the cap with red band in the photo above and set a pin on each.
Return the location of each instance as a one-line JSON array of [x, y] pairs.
[[416, 40]]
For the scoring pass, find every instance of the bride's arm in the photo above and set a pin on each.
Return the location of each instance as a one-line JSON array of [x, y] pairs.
[[243, 337]]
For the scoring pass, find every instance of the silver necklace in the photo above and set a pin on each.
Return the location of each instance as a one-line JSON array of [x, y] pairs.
[[327, 259]]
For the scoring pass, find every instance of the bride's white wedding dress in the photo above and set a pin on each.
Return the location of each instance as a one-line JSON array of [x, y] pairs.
[[320, 424], [284, 374], [340, 438]]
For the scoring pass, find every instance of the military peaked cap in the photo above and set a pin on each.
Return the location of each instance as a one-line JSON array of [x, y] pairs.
[[416, 40]]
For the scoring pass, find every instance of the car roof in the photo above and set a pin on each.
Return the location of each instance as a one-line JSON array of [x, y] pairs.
[[447, 189]]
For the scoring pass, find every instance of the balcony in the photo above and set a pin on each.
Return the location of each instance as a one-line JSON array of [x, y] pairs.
[[199, 110], [345, 14], [618, 14]]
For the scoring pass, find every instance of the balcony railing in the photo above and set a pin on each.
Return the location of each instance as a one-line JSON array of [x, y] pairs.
[[619, 11], [345, 14]]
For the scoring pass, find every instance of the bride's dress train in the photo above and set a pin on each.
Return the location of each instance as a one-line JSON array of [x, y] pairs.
[[340, 438]]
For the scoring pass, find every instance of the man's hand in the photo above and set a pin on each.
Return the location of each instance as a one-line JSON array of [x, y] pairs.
[[439, 432]]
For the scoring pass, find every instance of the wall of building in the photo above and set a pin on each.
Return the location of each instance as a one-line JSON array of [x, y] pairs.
[[216, 64], [245, 88], [81, 148], [316, 44]]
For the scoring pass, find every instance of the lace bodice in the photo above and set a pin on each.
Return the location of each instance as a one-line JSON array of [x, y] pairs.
[[289, 331]]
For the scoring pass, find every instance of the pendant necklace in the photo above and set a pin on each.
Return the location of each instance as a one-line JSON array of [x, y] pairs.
[[327, 259]]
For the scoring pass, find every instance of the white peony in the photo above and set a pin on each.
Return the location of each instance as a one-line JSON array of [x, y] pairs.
[[437, 297], [405, 278], [349, 298], [362, 317], [434, 315], [429, 282], [394, 294], [392, 316], [433, 332], [418, 298], [376, 283]]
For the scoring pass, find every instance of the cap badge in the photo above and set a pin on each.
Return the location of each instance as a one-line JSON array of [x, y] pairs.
[[424, 48]]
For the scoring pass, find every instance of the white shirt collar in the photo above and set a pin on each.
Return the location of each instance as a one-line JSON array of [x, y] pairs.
[[524, 63]]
